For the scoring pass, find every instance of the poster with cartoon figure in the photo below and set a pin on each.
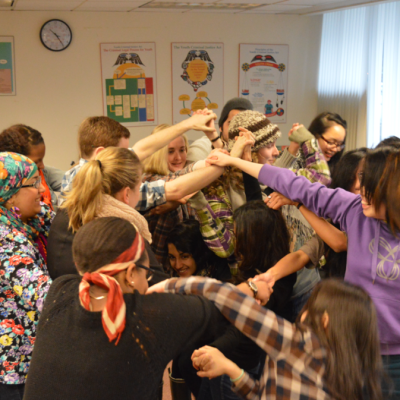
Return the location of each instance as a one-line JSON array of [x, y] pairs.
[[128, 72], [263, 78], [197, 78]]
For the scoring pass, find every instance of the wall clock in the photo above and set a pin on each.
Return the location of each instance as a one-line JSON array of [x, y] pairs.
[[56, 35]]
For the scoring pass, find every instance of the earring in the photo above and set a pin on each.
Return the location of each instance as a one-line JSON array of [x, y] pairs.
[[132, 284]]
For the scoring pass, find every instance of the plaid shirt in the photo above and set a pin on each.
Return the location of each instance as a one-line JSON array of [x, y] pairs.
[[312, 164], [214, 212], [151, 194], [161, 225], [295, 362]]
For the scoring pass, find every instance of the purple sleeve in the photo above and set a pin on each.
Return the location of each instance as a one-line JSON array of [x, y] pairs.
[[337, 204]]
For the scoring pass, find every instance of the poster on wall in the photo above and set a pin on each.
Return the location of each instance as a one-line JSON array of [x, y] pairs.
[[128, 73], [7, 66], [263, 78], [197, 78]]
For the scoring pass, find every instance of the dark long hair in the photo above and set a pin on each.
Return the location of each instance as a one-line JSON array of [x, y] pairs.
[[187, 238], [344, 176], [381, 183], [351, 338], [320, 124], [262, 238]]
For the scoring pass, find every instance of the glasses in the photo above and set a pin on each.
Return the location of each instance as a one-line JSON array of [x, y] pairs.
[[35, 185], [333, 144], [149, 272]]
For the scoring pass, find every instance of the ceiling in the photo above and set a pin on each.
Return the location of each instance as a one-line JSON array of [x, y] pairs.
[[297, 7]]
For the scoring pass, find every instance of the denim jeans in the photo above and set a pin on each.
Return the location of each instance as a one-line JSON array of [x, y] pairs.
[[220, 388], [11, 392]]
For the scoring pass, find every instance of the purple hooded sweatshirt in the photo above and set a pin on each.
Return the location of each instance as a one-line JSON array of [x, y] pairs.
[[373, 254]]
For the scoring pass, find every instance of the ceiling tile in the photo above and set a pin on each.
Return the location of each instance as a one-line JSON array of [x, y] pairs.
[[266, 2], [109, 5], [281, 7], [309, 2], [159, 10], [42, 5]]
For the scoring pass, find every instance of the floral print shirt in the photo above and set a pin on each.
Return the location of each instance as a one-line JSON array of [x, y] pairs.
[[24, 283]]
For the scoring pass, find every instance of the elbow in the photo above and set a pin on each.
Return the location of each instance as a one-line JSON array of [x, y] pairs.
[[339, 246]]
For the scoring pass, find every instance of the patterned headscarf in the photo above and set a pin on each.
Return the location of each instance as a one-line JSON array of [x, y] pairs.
[[113, 316], [15, 170]]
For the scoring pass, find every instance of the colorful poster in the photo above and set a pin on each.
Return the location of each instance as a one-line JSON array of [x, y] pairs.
[[197, 78], [128, 72], [263, 78], [7, 69]]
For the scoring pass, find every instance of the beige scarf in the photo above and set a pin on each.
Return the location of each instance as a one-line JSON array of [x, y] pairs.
[[115, 208]]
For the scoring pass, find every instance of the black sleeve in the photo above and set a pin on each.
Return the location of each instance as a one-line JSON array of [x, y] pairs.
[[184, 320], [59, 246], [283, 289], [251, 188]]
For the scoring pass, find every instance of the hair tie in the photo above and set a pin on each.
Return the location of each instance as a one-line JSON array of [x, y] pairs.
[[100, 165]]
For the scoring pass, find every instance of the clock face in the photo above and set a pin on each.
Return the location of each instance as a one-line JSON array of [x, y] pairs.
[[56, 35]]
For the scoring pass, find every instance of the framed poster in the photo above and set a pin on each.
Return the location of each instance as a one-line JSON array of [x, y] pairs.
[[7, 66], [263, 78], [197, 78], [128, 73]]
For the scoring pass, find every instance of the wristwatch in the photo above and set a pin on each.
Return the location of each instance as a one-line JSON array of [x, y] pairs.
[[253, 288]]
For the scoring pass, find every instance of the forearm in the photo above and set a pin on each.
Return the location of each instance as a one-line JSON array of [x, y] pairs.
[[150, 144], [270, 333], [332, 236], [250, 168], [192, 182], [289, 264]]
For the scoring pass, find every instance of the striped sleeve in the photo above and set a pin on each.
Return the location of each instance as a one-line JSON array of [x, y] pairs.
[[316, 168]]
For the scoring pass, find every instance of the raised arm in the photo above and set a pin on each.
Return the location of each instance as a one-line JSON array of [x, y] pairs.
[[150, 144], [271, 333], [190, 183], [216, 221]]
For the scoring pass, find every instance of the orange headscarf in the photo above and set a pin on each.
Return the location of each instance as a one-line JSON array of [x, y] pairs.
[[114, 313]]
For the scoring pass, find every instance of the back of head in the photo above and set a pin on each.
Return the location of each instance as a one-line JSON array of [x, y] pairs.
[[380, 182], [262, 237], [351, 338], [187, 238], [100, 242], [321, 123], [96, 132], [114, 169], [391, 141], [237, 103], [19, 139], [345, 171]]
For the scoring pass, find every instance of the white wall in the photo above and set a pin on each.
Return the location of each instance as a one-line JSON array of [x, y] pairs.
[[56, 91]]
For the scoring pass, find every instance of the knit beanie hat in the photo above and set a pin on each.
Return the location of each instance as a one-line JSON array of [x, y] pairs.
[[237, 103], [263, 129]]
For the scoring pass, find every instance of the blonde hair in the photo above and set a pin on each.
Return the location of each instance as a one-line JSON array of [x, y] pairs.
[[114, 169], [157, 163]]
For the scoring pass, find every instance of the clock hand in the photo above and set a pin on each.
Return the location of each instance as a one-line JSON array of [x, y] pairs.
[[58, 37]]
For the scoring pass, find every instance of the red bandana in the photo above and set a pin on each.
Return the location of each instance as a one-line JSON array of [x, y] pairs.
[[114, 313]]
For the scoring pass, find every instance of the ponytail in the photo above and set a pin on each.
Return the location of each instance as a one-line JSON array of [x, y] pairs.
[[113, 170]]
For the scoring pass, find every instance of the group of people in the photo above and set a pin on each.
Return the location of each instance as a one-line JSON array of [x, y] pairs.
[[289, 263]]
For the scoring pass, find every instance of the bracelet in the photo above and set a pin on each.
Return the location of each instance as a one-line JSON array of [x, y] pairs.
[[214, 140], [299, 205], [238, 378]]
